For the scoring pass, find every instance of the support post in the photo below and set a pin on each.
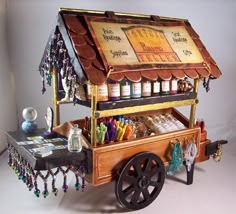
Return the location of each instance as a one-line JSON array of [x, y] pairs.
[[193, 106], [93, 115], [56, 106]]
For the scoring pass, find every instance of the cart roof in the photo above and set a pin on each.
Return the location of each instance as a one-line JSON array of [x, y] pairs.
[[98, 45]]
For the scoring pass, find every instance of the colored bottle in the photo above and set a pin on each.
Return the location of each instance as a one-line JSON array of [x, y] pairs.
[[125, 90], [135, 89], [146, 88], [173, 86], [113, 90], [155, 88], [165, 87], [102, 92]]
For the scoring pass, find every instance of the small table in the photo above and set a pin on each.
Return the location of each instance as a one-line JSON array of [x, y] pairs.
[[29, 167]]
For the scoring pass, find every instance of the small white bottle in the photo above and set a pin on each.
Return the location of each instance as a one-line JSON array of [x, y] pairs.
[[74, 139]]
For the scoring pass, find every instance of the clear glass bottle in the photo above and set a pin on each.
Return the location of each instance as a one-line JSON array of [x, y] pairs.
[[146, 88], [173, 86], [74, 139], [156, 88], [165, 87]]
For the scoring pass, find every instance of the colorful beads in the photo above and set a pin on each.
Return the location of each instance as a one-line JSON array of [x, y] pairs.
[[31, 177], [55, 191], [37, 192], [77, 186], [45, 193]]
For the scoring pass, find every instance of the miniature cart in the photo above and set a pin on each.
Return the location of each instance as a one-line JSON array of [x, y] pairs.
[[94, 46]]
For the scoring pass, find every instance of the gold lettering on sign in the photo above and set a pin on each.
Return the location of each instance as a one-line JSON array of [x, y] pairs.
[[150, 45]]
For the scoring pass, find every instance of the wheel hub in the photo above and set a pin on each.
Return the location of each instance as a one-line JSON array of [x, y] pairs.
[[143, 182]]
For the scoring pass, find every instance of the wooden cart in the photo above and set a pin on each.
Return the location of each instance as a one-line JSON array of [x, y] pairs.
[[97, 46]]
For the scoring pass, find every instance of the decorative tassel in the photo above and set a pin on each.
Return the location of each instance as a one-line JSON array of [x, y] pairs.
[[36, 190], [177, 159], [30, 177]]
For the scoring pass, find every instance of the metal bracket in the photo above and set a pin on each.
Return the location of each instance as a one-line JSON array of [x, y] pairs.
[[215, 149]]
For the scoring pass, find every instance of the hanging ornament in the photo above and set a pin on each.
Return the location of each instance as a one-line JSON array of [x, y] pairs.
[[190, 155], [177, 159]]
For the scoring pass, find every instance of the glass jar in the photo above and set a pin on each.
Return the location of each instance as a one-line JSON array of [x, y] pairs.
[[74, 139], [173, 86], [146, 88], [125, 89], [102, 92], [155, 88], [113, 90], [135, 89], [165, 87]]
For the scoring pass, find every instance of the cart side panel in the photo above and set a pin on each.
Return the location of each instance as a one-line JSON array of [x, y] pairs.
[[202, 155], [109, 160]]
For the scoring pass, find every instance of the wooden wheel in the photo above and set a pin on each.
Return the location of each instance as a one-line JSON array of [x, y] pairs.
[[140, 181]]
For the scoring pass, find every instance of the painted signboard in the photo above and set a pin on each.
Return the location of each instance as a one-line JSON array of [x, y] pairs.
[[137, 44]]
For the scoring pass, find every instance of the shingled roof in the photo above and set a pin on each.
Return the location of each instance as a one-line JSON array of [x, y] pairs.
[[98, 45]]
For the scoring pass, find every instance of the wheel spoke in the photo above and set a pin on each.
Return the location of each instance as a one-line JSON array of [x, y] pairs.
[[146, 194], [128, 191], [155, 170], [147, 165], [140, 181], [135, 197], [137, 168]]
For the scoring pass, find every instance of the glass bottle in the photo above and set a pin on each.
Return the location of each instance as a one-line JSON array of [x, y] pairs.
[[155, 88], [135, 89], [125, 89], [165, 87], [173, 86], [146, 88], [113, 90], [102, 92], [74, 139]]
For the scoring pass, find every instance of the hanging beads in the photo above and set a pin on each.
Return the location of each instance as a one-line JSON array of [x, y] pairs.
[[77, 184], [54, 176], [30, 177], [36, 190], [29, 180], [83, 178], [177, 159]]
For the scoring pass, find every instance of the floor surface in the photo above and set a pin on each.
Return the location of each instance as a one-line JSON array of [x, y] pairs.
[[213, 192]]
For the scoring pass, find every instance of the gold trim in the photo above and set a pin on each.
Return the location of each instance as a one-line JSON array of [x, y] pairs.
[[194, 105], [119, 14], [56, 105], [143, 108], [93, 116], [59, 102], [81, 10]]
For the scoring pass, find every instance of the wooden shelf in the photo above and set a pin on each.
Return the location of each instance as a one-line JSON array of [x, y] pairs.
[[111, 108], [144, 101], [143, 108]]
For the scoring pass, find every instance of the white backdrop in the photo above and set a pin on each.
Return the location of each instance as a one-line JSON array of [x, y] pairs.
[[7, 97], [30, 22]]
